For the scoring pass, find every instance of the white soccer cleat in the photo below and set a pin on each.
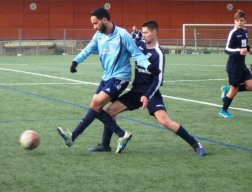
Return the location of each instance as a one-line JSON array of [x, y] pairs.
[[122, 142], [66, 136]]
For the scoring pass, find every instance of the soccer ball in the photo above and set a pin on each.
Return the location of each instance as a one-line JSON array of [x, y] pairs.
[[29, 139]]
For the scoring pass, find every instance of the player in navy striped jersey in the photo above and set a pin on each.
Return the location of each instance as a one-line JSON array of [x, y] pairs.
[[239, 76], [145, 93], [115, 47]]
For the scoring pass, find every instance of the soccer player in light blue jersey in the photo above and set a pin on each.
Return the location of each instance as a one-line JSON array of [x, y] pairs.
[[115, 47]]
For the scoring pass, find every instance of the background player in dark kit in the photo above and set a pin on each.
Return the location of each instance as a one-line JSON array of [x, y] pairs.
[[239, 76]]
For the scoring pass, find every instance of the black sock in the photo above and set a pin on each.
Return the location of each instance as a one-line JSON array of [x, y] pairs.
[[242, 87], [106, 137], [186, 136], [84, 123], [226, 103], [110, 123]]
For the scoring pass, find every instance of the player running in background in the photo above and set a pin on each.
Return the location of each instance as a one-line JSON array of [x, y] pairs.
[[145, 93], [115, 47], [239, 76], [136, 34]]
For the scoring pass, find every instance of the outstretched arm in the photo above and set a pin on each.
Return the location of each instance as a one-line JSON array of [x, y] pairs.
[[90, 48]]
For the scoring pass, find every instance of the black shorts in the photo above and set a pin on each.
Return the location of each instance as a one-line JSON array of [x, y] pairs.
[[113, 87], [131, 100], [238, 75]]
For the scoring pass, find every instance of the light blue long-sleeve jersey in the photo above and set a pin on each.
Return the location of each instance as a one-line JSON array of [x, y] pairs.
[[114, 51]]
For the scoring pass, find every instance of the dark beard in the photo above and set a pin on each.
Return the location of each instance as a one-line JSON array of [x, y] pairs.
[[103, 28]]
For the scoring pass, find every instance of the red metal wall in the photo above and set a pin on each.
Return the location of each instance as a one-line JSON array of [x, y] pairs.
[[51, 16]]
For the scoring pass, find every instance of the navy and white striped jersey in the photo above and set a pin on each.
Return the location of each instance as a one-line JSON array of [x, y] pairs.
[[145, 82], [237, 39]]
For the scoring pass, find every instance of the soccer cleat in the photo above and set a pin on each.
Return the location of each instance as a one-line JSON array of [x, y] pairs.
[[199, 149], [100, 148], [225, 114], [67, 136], [122, 142], [224, 91]]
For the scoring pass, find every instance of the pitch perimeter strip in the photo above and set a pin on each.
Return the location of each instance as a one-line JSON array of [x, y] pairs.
[[89, 83]]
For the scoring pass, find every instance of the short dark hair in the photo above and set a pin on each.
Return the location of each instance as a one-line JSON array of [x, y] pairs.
[[151, 24], [239, 14], [100, 13]]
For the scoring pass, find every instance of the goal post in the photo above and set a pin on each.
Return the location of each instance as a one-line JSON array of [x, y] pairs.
[[206, 34]]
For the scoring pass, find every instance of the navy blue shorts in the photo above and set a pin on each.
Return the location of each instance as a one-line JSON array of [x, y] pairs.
[[113, 87], [131, 100], [238, 75]]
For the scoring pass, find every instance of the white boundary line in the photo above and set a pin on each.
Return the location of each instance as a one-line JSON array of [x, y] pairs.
[[13, 64], [79, 83], [198, 80], [21, 84], [197, 65], [165, 96], [50, 76], [205, 103]]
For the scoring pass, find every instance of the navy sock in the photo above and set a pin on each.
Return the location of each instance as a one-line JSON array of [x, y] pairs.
[[84, 123], [109, 123], [106, 137], [186, 136], [226, 103], [242, 87]]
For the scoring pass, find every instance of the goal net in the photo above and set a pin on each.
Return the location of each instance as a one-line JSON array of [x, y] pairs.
[[207, 37]]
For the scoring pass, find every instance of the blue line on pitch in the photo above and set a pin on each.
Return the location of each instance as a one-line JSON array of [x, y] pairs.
[[122, 117], [33, 120], [43, 97], [198, 137]]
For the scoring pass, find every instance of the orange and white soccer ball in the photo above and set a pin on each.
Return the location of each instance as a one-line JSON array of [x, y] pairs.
[[29, 139]]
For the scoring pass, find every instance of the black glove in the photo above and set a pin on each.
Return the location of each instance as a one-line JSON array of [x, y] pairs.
[[153, 70], [248, 48], [73, 67]]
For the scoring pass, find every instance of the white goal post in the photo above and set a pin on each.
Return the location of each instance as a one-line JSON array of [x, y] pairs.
[[204, 25]]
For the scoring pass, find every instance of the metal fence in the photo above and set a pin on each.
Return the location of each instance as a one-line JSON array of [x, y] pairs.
[[72, 47], [68, 41]]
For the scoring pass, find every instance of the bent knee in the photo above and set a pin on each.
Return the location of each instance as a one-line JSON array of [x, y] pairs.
[[111, 112], [95, 105], [165, 122], [116, 108], [249, 85]]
